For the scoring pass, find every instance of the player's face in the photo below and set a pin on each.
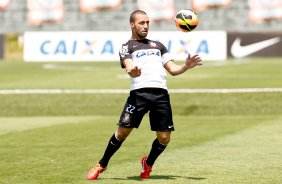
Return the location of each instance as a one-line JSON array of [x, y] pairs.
[[141, 26]]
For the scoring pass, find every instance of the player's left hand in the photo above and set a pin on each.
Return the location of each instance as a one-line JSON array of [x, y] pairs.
[[192, 61]]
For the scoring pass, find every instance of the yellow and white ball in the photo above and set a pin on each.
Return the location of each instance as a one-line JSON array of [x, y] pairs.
[[186, 20]]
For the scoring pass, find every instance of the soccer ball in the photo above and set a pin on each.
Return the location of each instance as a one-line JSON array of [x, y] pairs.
[[186, 20]]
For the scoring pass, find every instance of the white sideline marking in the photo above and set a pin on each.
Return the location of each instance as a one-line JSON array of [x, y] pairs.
[[121, 91]]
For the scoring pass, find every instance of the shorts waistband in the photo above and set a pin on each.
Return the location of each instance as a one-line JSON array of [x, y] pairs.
[[150, 90]]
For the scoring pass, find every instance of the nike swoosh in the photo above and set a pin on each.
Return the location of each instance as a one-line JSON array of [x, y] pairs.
[[170, 126], [112, 143], [239, 51]]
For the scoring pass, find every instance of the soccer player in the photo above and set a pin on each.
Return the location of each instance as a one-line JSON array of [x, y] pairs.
[[146, 62]]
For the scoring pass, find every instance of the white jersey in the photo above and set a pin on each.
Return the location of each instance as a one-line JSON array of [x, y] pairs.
[[150, 56]]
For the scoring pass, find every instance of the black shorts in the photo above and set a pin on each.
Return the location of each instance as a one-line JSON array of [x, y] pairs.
[[153, 100]]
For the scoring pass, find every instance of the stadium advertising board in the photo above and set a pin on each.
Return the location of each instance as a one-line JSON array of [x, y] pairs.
[[105, 46], [242, 45]]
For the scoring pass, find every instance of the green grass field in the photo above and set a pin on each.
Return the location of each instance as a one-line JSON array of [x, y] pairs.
[[219, 137]]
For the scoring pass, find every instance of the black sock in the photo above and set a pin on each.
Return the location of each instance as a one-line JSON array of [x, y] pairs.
[[157, 149], [113, 145]]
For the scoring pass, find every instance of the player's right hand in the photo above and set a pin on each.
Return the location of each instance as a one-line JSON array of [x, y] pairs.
[[134, 72]]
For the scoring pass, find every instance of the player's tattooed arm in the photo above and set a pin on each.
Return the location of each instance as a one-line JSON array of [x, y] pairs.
[[132, 71]]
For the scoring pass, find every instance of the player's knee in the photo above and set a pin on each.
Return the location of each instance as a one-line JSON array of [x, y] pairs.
[[164, 138], [122, 133]]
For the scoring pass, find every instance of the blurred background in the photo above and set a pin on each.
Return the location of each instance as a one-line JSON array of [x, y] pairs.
[[244, 18]]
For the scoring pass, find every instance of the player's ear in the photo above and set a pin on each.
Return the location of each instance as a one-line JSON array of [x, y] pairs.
[[131, 24]]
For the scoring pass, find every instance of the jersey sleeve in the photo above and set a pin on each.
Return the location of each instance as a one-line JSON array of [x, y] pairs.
[[165, 54], [124, 53]]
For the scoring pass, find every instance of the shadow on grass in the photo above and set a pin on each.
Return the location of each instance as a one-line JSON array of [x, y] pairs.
[[166, 177], [160, 177]]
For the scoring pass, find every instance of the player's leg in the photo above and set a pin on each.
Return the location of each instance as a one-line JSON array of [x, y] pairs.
[[158, 146], [114, 144], [129, 119], [161, 122]]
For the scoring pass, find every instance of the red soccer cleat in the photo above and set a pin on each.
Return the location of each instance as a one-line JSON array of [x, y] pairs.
[[146, 170], [94, 172]]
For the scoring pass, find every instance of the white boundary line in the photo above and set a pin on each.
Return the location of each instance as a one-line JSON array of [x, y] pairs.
[[121, 91]]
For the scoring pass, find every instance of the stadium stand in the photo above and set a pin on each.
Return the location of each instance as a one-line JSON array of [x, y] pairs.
[[233, 18]]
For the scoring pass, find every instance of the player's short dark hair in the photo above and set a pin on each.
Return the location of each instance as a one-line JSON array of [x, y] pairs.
[[133, 14]]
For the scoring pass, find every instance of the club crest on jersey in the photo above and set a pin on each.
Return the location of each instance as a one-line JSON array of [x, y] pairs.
[[126, 118], [123, 50], [153, 44]]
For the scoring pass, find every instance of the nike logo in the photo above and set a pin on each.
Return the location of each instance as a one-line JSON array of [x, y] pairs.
[[113, 144], [170, 126], [239, 51]]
